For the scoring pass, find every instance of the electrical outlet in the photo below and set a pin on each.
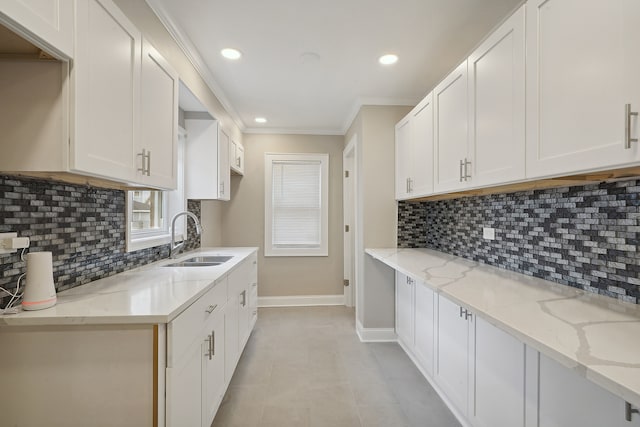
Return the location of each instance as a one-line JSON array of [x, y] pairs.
[[489, 233], [10, 243]]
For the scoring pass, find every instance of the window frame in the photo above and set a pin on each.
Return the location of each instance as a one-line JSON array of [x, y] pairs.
[[323, 249]]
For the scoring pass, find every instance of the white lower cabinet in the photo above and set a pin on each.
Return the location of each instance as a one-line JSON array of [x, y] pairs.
[[405, 287], [424, 326], [567, 399], [498, 367], [490, 378], [204, 345], [452, 347], [213, 379]]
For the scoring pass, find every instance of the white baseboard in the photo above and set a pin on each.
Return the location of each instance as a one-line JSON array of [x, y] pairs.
[[300, 300], [375, 334]]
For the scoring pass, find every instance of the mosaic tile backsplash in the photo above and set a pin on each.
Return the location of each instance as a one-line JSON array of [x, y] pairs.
[[84, 228], [585, 236]]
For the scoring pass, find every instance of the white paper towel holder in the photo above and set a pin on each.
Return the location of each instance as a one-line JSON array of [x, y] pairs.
[[39, 292]]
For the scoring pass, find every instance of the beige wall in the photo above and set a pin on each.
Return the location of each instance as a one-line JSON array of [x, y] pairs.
[[243, 218], [375, 130]]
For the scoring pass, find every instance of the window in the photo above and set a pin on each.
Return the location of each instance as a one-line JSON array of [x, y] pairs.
[[296, 204], [149, 212]]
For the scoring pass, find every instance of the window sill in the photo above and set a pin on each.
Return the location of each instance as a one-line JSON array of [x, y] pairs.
[[151, 241]]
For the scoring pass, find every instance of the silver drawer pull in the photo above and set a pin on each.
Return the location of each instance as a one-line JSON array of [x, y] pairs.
[[254, 284], [627, 126], [209, 351], [211, 308]]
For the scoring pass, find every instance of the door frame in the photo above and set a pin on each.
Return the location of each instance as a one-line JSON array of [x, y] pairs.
[[351, 204]]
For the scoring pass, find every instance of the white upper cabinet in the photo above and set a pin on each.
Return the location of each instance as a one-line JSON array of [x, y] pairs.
[[156, 150], [582, 70], [236, 157], [451, 160], [497, 105], [403, 157], [414, 152], [207, 176], [46, 23], [224, 168], [106, 81]]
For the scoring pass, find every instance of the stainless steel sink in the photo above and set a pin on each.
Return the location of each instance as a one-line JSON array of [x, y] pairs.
[[201, 261]]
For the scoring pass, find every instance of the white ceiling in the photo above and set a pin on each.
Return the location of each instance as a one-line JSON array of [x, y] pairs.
[[307, 66]]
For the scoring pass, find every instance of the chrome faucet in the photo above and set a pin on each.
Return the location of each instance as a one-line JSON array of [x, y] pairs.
[[175, 248]]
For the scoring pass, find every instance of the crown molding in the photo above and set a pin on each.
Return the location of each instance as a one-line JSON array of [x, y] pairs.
[[362, 101], [192, 53], [294, 131]]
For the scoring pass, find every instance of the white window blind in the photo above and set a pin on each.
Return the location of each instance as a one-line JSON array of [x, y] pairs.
[[296, 208]]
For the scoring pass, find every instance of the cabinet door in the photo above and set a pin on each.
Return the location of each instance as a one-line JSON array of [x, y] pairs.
[[224, 171], [201, 177], [567, 399], [213, 383], [184, 388], [497, 105], [48, 24], [231, 337], [452, 371], [157, 164], [403, 153], [582, 68], [240, 159], [424, 326], [421, 153], [499, 377], [106, 72], [450, 124], [404, 309]]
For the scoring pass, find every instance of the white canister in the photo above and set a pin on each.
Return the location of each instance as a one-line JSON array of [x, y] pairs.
[[39, 292]]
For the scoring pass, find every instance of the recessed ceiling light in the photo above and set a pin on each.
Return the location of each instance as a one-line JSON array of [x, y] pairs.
[[388, 59], [260, 120], [230, 53]]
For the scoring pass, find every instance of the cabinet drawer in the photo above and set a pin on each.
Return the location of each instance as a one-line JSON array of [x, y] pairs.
[[187, 326]]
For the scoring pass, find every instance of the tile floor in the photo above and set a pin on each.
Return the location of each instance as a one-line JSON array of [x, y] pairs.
[[306, 367]]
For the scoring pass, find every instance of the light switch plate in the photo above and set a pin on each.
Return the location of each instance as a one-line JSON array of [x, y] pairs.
[[489, 233]]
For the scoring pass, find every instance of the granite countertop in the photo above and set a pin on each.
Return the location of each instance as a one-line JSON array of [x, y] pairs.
[[146, 295], [593, 334]]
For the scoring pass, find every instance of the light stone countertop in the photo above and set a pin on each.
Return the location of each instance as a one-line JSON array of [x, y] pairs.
[[595, 335], [149, 294]]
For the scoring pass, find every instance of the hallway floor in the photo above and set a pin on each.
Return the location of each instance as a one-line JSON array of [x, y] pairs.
[[306, 367]]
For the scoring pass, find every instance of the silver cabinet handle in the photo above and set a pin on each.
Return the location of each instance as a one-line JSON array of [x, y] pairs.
[[213, 344], [410, 185], [467, 163], [211, 308], [461, 166], [209, 341], [254, 284], [222, 187], [238, 163], [461, 311], [627, 126], [146, 162], [406, 185], [629, 411]]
